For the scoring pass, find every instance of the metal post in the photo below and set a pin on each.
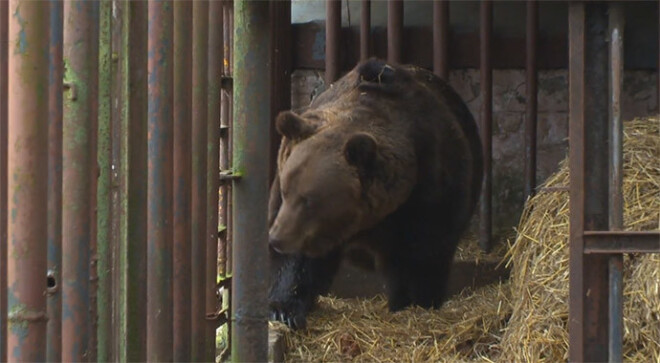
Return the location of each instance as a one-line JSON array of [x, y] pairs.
[[159, 191], [250, 193], [199, 174], [394, 30], [588, 100], [3, 178], [27, 145], [104, 252], [80, 18], [365, 29], [486, 69], [441, 38], [54, 291], [531, 96], [182, 178], [215, 47], [332, 40], [616, 28]]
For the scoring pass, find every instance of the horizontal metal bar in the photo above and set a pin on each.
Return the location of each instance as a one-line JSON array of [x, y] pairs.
[[621, 242], [228, 175]]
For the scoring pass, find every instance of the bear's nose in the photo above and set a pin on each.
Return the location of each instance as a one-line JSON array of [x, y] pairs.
[[276, 244]]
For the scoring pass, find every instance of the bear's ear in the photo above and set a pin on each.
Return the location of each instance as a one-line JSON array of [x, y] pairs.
[[360, 151], [292, 126]]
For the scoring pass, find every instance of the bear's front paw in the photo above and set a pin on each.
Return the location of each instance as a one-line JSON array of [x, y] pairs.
[[290, 314]]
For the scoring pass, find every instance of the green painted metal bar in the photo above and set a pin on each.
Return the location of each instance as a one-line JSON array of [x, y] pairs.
[[79, 121], [27, 180], [130, 176], [199, 174], [251, 137], [182, 177], [215, 64], [3, 178], [56, 70], [160, 176], [104, 253]]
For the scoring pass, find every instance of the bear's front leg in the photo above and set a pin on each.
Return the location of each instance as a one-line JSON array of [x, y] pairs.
[[297, 282]]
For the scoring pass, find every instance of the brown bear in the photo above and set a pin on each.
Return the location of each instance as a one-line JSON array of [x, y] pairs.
[[387, 161]]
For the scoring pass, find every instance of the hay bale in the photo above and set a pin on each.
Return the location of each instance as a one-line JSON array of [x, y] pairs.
[[537, 330]]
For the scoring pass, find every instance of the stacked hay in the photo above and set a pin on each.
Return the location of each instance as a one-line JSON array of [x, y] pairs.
[[537, 330], [524, 320]]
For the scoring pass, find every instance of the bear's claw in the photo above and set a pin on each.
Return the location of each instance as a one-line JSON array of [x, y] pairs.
[[293, 320]]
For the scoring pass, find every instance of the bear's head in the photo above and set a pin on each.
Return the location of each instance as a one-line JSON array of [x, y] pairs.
[[322, 184]]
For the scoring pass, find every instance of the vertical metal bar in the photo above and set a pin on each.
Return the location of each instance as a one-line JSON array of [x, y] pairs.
[[104, 253], [332, 39], [251, 143], [182, 177], [588, 313], [658, 84], [394, 30], [80, 18], [365, 29], [486, 69], [616, 28], [27, 180], [4, 19], [159, 191], [199, 174], [54, 291], [215, 47], [441, 38], [531, 108]]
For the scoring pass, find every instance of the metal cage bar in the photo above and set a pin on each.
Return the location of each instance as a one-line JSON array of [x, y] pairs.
[[160, 177], [4, 19], [332, 40], [394, 30], [441, 38], [486, 129], [365, 29], [250, 193], [27, 147], [531, 108], [182, 312]]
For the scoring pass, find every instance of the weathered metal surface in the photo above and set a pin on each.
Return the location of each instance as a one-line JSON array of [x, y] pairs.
[[104, 252], [3, 178], [615, 161], [27, 145], [129, 178], [486, 129], [199, 174], [531, 107], [79, 159], [56, 70], [394, 30], [365, 29], [182, 178], [441, 38], [159, 190], [250, 193], [588, 100], [606, 242], [215, 64], [332, 40]]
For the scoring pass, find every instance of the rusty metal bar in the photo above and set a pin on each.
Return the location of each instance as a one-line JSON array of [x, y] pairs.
[[365, 29], [332, 40], [3, 177], [56, 74], [182, 178], [531, 108], [394, 30], [160, 175], [588, 100], [606, 242], [199, 175], [215, 64], [79, 121], [616, 28], [486, 129], [27, 180], [441, 38], [251, 142]]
